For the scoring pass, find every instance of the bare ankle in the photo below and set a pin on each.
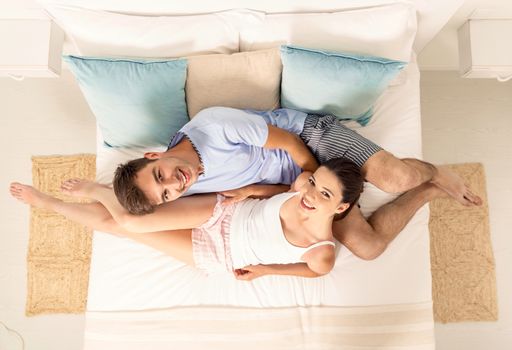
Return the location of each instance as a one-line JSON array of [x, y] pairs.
[[51, 203]]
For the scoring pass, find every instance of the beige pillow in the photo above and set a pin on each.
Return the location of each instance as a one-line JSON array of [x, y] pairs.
[[245, 80]]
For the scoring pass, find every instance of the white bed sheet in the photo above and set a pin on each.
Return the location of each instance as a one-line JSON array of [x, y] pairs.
[[127, 276]]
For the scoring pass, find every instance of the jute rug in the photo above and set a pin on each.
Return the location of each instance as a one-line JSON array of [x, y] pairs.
[[463, 274], [59, 251]]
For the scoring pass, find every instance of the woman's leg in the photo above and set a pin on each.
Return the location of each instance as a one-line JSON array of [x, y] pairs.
[[182, 213], [177, 243], [93, 215]]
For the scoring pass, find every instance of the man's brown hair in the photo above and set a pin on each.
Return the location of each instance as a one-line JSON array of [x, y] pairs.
[[128, 194]]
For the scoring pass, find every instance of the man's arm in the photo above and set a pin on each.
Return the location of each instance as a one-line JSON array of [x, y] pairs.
[[293, 144], [234, 126]]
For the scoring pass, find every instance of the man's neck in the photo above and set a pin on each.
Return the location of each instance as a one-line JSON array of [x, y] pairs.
[[185, 150]]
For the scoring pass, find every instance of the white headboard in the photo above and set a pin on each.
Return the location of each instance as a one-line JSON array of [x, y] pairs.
[[432, 14]]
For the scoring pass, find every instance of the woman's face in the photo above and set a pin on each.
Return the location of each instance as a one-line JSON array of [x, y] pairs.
[[322, 194]]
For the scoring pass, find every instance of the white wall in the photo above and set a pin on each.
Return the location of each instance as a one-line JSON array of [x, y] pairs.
[[442, 52], [37, 117]]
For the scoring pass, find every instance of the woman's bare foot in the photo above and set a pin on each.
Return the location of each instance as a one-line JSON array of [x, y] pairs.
[[454, 185], [29, 195], [80, 188]]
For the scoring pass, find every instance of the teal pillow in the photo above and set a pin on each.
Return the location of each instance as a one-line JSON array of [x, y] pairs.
[[136, 103], [341, 84]]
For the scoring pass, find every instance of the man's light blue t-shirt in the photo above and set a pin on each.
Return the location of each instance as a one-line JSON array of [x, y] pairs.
[[230, 145]]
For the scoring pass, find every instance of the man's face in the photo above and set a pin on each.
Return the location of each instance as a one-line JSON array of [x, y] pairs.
[[165, 179]]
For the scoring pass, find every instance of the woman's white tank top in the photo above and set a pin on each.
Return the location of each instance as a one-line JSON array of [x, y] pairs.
[[257, 237]]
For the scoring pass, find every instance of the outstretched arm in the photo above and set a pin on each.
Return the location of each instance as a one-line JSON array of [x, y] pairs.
[[183, 213]]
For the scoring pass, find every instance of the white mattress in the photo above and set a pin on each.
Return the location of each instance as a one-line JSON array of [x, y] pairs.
[[127, 276]]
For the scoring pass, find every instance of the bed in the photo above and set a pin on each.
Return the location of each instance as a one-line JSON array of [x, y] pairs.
[[118, 264], [139, 298]]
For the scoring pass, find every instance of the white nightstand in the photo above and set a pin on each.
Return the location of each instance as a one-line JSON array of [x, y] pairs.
[[30, 48], [485, 49]]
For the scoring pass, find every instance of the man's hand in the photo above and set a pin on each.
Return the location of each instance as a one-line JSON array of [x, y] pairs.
[[237, 195], [250, 272]]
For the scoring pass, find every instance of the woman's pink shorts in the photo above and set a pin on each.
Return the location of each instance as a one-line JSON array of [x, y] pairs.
[[210, 241]]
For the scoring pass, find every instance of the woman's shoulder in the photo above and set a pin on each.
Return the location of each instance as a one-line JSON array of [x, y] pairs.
[[320, 258]]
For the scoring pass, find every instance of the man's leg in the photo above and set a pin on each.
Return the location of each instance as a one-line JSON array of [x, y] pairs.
[[394, 175], [176, 243], [327, 138], [367, 239]]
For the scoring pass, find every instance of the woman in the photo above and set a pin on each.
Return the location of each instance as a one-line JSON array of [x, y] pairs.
[[289, 234]]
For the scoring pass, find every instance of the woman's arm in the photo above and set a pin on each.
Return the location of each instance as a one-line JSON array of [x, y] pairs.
[[252, 191], [264, 191], [316, 265], [251, 272], [293, 144], [183, 213]]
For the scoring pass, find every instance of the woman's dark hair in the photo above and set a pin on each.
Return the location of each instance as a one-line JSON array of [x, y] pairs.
[[128, 194], [349, 175]]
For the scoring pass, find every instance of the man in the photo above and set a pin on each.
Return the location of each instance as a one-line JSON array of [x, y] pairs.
[[242, 153], [224, 149]]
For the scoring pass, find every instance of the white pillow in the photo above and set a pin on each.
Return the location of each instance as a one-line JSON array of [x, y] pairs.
[[385, 31], [109, 34]]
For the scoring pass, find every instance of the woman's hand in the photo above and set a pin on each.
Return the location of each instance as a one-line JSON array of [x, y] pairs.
[[250, 272], [237, 195], [252, 191]]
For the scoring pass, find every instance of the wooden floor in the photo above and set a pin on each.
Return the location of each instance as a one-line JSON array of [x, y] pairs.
[[470, 120]]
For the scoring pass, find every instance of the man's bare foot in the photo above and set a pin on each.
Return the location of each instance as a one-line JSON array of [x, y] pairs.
[[79, 188], [454, 185], [29, 195]]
